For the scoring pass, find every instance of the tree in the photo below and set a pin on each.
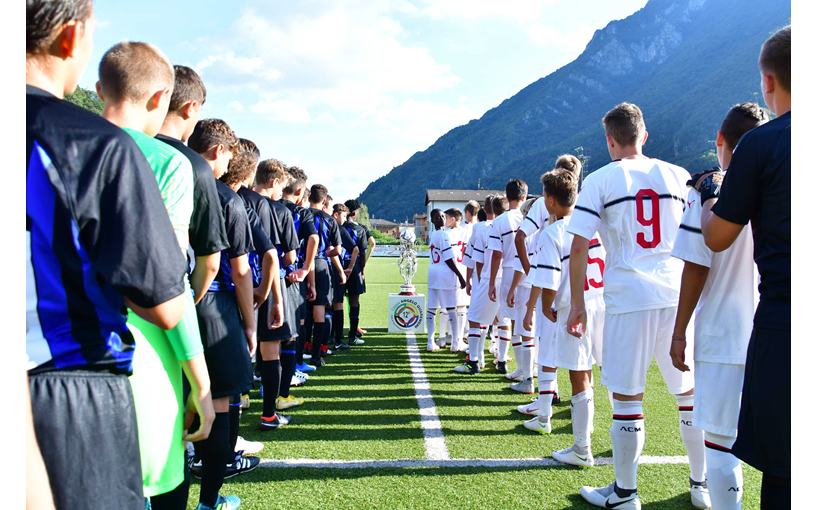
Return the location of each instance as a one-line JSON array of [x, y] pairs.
[[363, 216], [86, 99]]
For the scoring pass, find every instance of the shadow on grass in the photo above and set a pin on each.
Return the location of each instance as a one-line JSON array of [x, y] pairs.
[[681, 501]]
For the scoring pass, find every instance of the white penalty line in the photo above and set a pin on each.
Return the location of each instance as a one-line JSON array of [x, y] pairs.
[[436, 449], [452, 463]]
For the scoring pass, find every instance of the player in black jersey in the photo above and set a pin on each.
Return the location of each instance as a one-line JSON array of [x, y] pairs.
[[356, 283], [328, 250], [350, 257]]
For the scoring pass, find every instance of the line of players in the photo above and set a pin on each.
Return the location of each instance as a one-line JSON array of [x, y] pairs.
[[617, 282]]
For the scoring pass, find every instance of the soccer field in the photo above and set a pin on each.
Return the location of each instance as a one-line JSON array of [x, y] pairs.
[[423, 436]]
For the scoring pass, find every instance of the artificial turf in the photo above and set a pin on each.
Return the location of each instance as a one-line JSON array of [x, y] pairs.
[[361, 406]]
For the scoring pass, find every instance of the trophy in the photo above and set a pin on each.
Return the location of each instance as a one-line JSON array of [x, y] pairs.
[[407, 262]]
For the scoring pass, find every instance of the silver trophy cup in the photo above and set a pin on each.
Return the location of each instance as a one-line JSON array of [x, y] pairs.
[[407, 262]]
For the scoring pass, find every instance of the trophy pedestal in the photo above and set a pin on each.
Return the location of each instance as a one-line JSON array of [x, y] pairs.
[[407, 313], [407, 290]]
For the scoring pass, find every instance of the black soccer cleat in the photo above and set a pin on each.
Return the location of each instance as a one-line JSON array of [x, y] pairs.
[[501, 367]]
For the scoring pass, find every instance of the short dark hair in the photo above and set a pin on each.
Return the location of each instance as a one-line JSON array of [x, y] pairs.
[[339, 208], [318, 193], [625, 124], [500, 204], [329, 198], [741, 118], [352, 204], [45, 17], [269, 170], [563, 185], [241, 166], [187, 86], [488, 206], [297, 180], [516, 190], [481, 216], [211, 132], [775, 57], [250, 146], [131, 71], [472, 207], [455, 213]]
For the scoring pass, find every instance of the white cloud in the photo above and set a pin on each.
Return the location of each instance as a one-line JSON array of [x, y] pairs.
[[282, 110], [102, 23], [235, 105], [521, 11]]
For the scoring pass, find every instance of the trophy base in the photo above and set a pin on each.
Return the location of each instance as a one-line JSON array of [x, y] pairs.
[[407, 290]]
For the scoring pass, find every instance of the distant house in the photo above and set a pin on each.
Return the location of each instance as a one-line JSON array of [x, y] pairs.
[[421, 226], [386, 227]]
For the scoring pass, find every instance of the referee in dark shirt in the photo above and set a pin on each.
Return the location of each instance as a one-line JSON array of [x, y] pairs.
[[757, 189]]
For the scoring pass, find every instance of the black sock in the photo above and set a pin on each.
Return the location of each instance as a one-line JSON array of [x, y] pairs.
[[259, 359], [309, 324], [327, 330], [287, 366], [173, 500], [337, 317], [317, 338], [271, 379], [215, 455], [235, 419], [299, 344], [354, 320]]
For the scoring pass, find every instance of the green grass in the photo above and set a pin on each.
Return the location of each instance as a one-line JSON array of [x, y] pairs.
[[362, 406]]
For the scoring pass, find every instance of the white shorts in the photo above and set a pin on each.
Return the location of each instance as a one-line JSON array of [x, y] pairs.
[[580, 353], [463, 299], [521, 308], [630, 342], [547, 341], [505, 311], [443, 298], [718, 388], [482, 310]]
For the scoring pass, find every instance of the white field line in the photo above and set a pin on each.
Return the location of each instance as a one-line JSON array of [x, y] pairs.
[[450, 463], [436, 450]]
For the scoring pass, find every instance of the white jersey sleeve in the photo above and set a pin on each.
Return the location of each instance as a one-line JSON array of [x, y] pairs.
[[586, 218], [547, 261], [689, 243], [537, 218], [440, 276]]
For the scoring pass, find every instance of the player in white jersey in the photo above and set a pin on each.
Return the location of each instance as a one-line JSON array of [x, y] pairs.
[[443, 277], [722, 285], [471, 210], [482, 312], [458, 237], [635, 204], [550, 277], [517, 299], [501, 242]]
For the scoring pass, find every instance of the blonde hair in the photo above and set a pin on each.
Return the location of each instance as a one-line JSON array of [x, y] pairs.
[[131, 71], [526, 207]]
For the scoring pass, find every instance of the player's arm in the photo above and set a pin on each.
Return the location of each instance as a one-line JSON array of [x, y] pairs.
[[496, 261], [469, 273], [269, 280], [578, 275], [290, 257], [203, 274], [522, 250], [200, 401], [242, 279], [352, 261], [309, 255], [339, 268], [451, 265], [164, 315], [692, 285], [38, 487], [517, 277], [719, 234], [531, 306], [372, 244]]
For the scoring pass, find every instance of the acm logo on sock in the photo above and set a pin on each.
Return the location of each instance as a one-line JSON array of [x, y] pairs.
[[630, 429]]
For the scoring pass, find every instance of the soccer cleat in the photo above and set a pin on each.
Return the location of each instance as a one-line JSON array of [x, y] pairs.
[[248, 447], [256, 377], [222, 503], [360, 332], [606, 497], [501, 367], [279, 420], [301, 375], [536, 425], [307, 347], [245, 401], [700, 494], [241, 465], [296, 382], [525, 386], [461, 347], [303, 367], [531, 409], [467, 368], [326, 351], [307, 356], [341, 347], [319, 362], [441, 342], [569, 456], [355, 342], [516, 375], [194, 466], [432, 346], [285, 403], [556, 400]]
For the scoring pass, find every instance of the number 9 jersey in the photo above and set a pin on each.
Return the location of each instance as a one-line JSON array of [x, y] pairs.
[[636, 206]]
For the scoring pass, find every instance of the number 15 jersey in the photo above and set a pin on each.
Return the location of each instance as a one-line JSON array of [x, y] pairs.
[[635, 205]]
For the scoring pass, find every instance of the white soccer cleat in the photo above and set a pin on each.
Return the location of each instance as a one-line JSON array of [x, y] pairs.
[[569, 456], [461, 347], [249, 447], [523, 386], [516, 375], [442, 342], [536, 425], [531, 409], [606, 497], [700, 495], [432, 346]]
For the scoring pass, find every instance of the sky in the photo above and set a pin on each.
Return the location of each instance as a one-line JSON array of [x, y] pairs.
[[349, 89]]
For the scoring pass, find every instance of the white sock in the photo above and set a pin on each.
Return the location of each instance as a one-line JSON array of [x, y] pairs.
[[503, 345], [582, 411], [628, 436], [462, 322], [724, 474], [693, 438], [473, 344], [453, 325], [430, 316], [525, 359], [443, 322], [483, 333], [516, 343], [547, 381]]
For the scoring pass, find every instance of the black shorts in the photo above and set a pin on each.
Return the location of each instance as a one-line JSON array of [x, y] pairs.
[[301, 311], [323, 284], [289, 328], [764, 438], [355, 285], [338, 289], [86, 429], [225, 344]]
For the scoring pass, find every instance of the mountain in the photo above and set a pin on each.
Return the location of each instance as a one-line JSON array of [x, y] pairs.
[[683, 62]]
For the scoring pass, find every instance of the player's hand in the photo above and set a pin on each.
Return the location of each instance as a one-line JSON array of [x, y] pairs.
[[342, 277], [251, 341], [711, 186], [676, 352], [276, 315], [492, 291], [576, 321], [310, 292], [258, 297], [348, 273], [698, 177], [550, 315], [528, 322], [468, 288], [201, 405], [462, 282], [298, 275], [511, 301]]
